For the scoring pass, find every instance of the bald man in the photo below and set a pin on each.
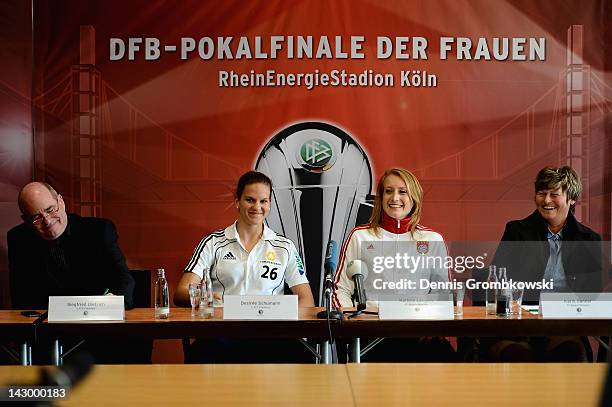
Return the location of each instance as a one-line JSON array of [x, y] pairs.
[[55, 253]]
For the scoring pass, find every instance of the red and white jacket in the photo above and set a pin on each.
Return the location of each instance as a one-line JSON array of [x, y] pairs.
[[393, 238]]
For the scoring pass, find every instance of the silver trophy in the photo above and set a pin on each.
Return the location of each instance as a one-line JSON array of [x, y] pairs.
[[322, 180]]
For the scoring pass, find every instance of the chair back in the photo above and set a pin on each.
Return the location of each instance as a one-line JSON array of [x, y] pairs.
[[142, 289]]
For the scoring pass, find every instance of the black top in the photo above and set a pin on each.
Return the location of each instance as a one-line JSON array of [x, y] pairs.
[[84, 260], [580, 253]]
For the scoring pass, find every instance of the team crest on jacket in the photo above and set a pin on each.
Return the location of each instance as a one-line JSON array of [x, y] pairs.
[[270, 255], [422, 247]]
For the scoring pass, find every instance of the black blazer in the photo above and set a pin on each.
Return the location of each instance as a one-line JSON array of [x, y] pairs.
[[93, 256], [526, 261]]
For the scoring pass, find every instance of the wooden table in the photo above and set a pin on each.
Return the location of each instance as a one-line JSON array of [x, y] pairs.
[[477, 384], [333, 385], [140, 323], [16, 327], [473, 323], [203, 385]]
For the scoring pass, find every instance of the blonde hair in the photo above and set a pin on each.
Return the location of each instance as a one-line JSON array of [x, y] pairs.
[[415, 192]]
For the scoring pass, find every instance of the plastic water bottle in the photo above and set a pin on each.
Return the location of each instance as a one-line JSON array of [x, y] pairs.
[[491, 292], [162, 296]]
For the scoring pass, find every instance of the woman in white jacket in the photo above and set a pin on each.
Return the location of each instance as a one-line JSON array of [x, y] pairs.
[[393, 237]]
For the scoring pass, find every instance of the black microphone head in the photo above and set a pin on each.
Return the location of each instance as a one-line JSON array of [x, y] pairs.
[[75, 368]]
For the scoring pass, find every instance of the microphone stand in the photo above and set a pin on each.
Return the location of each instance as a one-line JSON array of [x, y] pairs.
[[328, 313], [356, 313], [359, 310]]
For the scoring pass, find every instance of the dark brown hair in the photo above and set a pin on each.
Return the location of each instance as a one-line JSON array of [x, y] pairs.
[[252, 177], [563, 177]]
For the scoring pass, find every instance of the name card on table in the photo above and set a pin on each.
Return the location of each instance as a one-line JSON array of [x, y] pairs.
[[435, 307], [260, 307], [86, 308], [576, 305]]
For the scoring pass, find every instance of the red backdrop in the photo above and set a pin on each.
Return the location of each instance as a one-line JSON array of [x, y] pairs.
[[169, 143]]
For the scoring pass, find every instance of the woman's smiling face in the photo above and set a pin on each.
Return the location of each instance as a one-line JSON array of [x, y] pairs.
[[396, 200]]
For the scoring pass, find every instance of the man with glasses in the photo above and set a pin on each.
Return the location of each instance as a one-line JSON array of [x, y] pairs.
[[55, 253]]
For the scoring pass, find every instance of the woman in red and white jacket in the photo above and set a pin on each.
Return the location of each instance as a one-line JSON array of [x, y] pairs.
[[395, 249], [394, 230]]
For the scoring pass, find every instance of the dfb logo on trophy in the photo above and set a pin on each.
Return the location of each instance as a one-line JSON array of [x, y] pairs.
[[317, 155], [322, 180]]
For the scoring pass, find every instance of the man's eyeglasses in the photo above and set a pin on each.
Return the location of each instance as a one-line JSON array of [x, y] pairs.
[[39, 217]]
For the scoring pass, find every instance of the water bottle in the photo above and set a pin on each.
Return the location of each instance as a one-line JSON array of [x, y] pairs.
[[162, 297], [206, 297], [503, 294], [491, 291]]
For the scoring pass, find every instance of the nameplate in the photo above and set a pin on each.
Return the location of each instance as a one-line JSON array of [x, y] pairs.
[[576, 305], [86, 308], [416, 308], [260, 307]]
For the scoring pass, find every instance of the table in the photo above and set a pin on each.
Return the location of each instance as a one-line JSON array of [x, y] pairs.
[[312, 385], [477, 384], [140, 322], [460, 384], [474, 323], [14, 326]]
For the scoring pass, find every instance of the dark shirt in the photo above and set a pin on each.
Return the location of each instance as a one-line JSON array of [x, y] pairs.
[[84, 260]]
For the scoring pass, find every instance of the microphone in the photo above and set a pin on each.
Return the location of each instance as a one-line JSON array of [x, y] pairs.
[[75, 369], [331, 257], [331, 262], [67, 376], [329, 266], [358, 271]]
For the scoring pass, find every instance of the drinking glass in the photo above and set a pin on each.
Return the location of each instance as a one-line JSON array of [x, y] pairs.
[[194, 297], [206, 298], [517, 301], [458, 295]]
